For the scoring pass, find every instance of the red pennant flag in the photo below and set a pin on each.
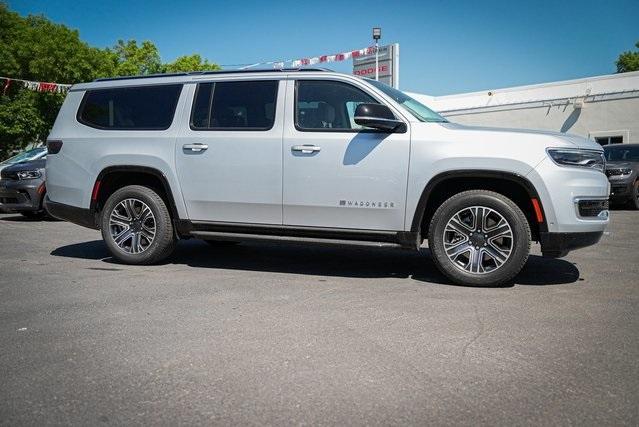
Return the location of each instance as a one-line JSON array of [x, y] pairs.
[[47, 87]]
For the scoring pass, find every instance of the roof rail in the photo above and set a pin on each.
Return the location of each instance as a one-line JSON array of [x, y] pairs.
[[200, 73]]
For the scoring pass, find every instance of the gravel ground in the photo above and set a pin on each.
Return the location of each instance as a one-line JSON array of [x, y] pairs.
[[267, 334]]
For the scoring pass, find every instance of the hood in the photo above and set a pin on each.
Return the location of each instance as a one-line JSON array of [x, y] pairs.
[[28, 165], [549, 138], [34, 154]]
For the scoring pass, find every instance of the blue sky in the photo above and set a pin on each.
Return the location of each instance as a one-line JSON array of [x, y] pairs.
[[446, 46]]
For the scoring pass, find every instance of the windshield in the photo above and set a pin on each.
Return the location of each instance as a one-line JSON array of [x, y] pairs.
[[416, 108], [26, 156], [622, 154]]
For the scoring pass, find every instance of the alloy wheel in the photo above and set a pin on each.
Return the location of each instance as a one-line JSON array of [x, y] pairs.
[[132, 226], [478, 240]]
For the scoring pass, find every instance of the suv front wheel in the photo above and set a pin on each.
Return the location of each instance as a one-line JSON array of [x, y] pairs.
[[479, 238], [136, 226]]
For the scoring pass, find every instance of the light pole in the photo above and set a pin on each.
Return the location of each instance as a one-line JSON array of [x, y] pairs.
[[377, 34]]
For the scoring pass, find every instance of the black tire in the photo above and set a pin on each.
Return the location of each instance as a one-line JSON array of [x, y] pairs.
[[518, 243], [164, 240]]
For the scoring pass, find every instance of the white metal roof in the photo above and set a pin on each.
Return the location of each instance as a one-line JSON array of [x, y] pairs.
[[623, 84]]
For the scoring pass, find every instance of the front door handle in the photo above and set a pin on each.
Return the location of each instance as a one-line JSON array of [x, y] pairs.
[[195, 148], [307, 148]]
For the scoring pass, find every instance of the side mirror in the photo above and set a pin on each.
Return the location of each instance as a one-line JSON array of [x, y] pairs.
[[378, 116]]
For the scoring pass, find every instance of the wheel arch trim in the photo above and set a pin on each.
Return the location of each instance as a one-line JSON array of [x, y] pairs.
[[420, 210], [171, 199]]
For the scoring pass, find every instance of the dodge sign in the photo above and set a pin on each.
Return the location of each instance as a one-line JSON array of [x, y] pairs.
[[388, 65]]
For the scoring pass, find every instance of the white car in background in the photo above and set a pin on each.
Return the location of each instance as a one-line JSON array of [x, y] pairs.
[[315, 156]]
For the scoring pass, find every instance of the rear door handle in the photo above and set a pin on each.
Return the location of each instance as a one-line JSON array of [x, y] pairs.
[[195, 148], [306, 149]]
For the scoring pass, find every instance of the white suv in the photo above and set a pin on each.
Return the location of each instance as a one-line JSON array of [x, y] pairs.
[[317, 157]]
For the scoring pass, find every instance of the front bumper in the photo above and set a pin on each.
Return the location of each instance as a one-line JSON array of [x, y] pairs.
[[621, 189], [20, 196], [557, 245], [561, 188]]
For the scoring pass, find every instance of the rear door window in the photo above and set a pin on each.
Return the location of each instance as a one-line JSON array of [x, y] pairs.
[[243, 105], [130, 108]]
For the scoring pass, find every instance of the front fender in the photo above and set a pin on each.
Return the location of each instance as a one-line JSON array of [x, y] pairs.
[[422, 182]]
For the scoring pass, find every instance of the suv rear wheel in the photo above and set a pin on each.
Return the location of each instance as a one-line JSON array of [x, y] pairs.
[[136, 226], [479, 238]]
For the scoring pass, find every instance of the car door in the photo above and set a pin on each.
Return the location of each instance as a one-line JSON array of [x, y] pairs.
[[229, 154], [336, 173]]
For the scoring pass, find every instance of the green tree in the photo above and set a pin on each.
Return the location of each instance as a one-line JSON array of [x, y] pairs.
[[34, 48], [190, 63], [628, 61], [21, 121], [129, 59]]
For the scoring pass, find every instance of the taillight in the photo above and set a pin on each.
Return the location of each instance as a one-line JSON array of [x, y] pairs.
[[54, 146]]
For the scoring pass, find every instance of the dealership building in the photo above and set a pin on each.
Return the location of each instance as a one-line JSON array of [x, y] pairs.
[[603, 108]]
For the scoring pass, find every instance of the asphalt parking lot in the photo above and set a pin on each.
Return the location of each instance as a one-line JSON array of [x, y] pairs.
[[266, 334]]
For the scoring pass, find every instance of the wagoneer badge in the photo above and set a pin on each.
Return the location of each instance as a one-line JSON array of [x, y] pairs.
[[366, 204]]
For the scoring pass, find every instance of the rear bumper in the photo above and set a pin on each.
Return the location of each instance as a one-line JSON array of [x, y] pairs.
[[557, 245], [73, 214]]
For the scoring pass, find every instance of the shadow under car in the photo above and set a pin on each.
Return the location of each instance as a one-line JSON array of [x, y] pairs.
[[326, 261]]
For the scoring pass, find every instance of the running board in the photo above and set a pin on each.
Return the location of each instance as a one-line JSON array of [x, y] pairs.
[[245, 237]]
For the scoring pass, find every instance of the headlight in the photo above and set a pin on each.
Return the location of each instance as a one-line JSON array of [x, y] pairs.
[[577, 158], [616, 173], [625, 171], [29, 174]]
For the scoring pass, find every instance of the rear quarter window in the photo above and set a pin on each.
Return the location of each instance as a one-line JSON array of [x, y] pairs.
[[130, 108]]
